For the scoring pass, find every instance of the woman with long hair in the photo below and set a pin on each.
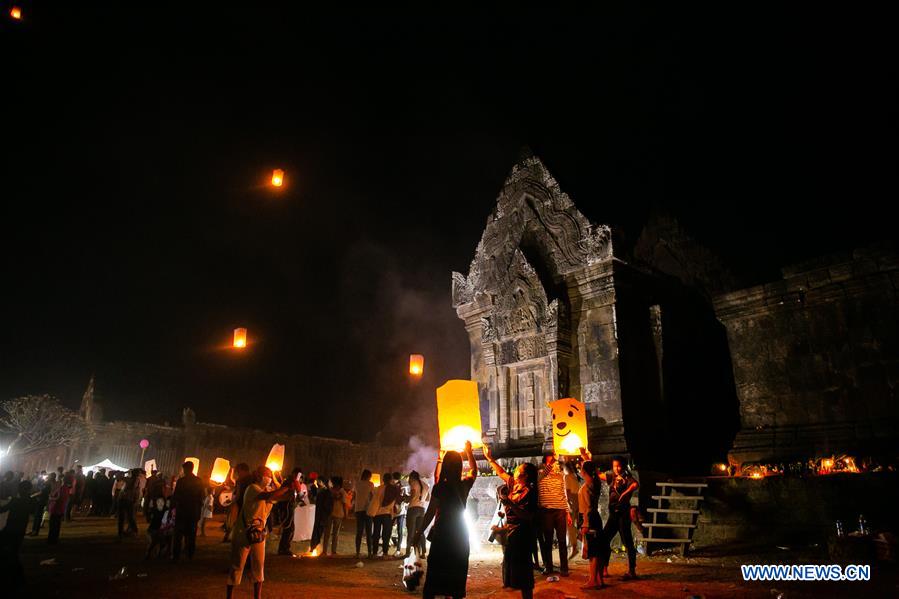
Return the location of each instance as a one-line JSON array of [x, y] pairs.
[[520, 502], [418, 497], [447, 572]]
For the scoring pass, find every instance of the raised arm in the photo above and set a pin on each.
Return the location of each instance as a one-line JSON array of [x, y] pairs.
[[472, 463], [500, 471], [279, 494]]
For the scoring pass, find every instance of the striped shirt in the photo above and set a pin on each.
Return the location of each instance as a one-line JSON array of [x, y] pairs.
[[551, 487]]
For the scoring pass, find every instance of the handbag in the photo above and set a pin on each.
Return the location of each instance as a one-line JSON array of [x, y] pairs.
[[255, 533]]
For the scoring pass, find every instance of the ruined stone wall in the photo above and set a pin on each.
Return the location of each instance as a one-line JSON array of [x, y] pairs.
[[816, 358], [118, 442]]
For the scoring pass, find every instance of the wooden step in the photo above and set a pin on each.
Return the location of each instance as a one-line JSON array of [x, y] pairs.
[[670, 511], [685, 485], [666, 525], [680, 497], [648, 540]]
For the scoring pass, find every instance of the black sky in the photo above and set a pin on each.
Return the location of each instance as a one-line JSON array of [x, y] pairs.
[[138, 230]]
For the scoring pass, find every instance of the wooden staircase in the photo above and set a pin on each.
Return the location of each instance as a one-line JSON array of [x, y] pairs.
[[661, 531]]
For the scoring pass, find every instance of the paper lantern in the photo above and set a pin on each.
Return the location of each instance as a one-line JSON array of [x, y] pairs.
[[458, 415], [196, 462], [240, 337], [150, 466], [220, 470], [278, 177], [16, 13], [416, 364], [275, 461], [376, 480], [569, 426]]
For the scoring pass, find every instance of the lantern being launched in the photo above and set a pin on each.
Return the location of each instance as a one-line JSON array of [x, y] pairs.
[[275, 461], [458, 415], [376, 479], [220, 470], [278, 177], [196, 462], [416, 364], [569, 425], [240, 338]]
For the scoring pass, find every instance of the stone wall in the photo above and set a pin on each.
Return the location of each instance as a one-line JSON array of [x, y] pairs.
[[816, 358], [794, 511], [118, 442]]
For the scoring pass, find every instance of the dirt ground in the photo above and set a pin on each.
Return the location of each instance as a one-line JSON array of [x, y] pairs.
[[88, 559]]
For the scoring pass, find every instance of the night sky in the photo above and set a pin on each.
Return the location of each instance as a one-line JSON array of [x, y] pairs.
[[138, 229]]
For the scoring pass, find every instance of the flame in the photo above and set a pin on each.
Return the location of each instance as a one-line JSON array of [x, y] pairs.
[[757, 475], [572, 444], [16, 13], [454, 439]]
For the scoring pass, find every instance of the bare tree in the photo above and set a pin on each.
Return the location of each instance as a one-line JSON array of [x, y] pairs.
[[39, 422]]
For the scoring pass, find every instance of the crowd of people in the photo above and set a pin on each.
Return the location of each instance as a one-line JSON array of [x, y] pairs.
[[540, 507]]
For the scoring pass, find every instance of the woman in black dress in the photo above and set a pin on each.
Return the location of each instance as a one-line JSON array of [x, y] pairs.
[[520, 503], [448, 557]]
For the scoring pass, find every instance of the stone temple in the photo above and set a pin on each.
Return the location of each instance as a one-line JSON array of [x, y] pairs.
[[673, 362]]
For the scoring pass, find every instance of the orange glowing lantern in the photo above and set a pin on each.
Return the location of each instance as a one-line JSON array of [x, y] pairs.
[[278, 177], [376, 480], [196, 462], [16, 13], [569, 425], [458, 415], [275, 461], [220, 470], [416, 364], [240, 338]]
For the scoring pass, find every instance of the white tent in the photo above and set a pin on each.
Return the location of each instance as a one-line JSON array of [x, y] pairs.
[[104, 464]]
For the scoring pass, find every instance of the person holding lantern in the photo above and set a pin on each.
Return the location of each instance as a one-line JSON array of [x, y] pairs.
[[621, 487], [554, 515], [519, 499], [591, 524], [448, 557], [248, 540]]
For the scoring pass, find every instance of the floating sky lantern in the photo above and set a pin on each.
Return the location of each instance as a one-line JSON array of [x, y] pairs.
[[220, 470], [196, 462], [240, 338], [458, 415], [376, 480], [416, 364], [569, 424], [150, 466], [275, 461], [278, 177], [16, 13]]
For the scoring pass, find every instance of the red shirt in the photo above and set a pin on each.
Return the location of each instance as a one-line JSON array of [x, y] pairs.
[[59, 501]]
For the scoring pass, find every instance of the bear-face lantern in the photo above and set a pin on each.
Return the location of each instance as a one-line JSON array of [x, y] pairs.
[[569, 426]]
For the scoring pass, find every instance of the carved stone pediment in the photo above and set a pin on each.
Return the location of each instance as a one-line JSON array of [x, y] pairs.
[[531, 212]]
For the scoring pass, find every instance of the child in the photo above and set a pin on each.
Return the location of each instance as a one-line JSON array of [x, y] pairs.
[[207, 511], [157, 513]]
